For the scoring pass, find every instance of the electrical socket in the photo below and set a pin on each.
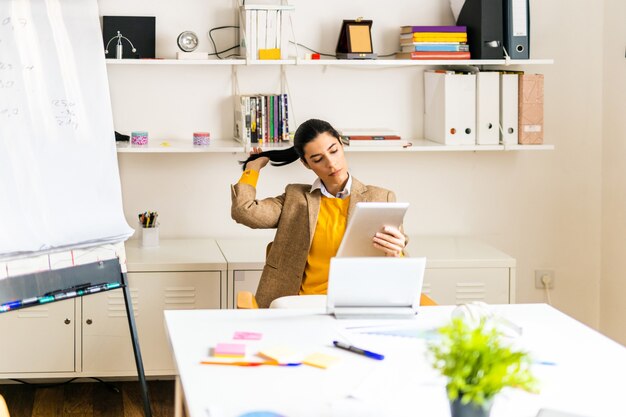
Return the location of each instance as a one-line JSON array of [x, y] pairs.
[[539, 274]]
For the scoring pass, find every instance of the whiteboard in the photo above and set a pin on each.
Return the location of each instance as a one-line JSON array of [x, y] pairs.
[[59, 179]]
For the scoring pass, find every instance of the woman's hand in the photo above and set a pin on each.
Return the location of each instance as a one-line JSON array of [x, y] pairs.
[[259, 163], [390, 240]]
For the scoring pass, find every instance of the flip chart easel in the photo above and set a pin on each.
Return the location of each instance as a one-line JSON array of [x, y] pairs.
[[51, 285]]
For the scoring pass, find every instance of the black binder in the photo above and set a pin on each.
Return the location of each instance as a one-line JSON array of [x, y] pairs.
[[483, 19], [517, 28]]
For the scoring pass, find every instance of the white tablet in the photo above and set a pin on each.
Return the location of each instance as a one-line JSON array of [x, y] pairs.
[[365, 221]]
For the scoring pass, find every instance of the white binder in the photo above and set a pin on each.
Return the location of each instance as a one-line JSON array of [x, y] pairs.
[[450, 107], [487, 108], [509, 108]]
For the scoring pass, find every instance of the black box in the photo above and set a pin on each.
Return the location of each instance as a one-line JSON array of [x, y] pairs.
[[140, 30]]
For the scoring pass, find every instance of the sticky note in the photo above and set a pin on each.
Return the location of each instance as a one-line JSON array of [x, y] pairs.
[[320, 360], [229, 350], [247, 336], [281, 354]]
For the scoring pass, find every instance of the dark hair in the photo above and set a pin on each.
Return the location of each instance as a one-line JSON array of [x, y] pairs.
[[305, 133]]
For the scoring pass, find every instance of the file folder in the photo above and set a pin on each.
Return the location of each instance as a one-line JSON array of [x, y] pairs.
[[450, 107], [509, 108], [517, 28], [530, 109], [487, 108], [483, 19]]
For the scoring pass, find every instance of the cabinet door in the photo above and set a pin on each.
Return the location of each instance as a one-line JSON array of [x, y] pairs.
[[107, 349], [38, 339], [451, 286], [245, 281]]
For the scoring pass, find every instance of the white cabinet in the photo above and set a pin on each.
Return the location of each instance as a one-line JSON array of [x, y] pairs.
[[245, 259], [46, 341], [38, 339], [458, 270], [179, 274]]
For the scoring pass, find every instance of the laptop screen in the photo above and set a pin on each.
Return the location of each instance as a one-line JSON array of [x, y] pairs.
[[375, 282]]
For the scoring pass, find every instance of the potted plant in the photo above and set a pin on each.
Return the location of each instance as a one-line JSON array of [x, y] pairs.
[[478, 365]]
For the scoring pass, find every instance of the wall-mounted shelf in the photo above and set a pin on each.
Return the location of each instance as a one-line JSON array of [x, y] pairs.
[[332, 62], [181, 146], [232, 146]]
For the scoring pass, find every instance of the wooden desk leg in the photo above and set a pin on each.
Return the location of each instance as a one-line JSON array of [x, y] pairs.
[[178, 398]]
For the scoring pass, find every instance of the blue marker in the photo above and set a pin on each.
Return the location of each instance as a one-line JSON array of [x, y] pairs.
[[10, 306], [360, 351]]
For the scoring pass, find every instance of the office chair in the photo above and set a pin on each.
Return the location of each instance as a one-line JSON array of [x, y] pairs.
[[246, 300], [4, 411]]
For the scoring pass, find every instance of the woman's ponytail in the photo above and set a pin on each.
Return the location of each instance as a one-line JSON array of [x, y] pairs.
[[277, 158], [305, 133]]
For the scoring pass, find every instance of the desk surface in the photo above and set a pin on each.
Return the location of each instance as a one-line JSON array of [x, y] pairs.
[[440, 251], [175, 255], [587, 378]]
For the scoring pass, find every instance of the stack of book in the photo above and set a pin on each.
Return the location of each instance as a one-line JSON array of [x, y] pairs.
[[433, 42], [371, 137], [261, 118]]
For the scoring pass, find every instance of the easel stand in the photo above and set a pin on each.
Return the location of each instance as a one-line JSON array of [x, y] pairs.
[[136, 350], [44, 287]]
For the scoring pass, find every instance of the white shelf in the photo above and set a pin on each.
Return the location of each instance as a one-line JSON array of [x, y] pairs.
[[332, 62], [223, 62], [424, 145], [416, 62], [181, 146], [232, 146], [528, 147]]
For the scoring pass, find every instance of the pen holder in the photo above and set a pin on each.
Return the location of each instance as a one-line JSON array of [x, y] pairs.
[[150, 236]]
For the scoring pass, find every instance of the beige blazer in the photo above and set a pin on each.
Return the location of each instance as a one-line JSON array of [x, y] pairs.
[[294, 214]]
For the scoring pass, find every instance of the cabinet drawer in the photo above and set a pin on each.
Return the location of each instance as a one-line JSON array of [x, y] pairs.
[[38, 339], [450, 286], [106, 338]]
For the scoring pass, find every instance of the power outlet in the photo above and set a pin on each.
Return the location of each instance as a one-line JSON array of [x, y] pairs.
[[539, 274]]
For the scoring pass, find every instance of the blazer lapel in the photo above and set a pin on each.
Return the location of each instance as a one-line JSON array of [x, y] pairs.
[[356, 195], [313, 204]]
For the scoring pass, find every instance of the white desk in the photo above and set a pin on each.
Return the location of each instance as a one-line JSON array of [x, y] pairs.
[[587, 380]]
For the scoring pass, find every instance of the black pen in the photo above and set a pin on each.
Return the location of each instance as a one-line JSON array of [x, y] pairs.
[[360, 351]]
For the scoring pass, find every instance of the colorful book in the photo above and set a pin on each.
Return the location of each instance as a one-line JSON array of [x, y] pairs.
[[432, 55], [414, 29], [435, 47], [380, 142]]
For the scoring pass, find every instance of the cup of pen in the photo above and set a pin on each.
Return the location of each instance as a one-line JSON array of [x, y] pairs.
[[149, 229]]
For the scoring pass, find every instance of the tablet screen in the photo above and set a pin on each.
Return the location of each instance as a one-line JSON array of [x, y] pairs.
[[366, 220]]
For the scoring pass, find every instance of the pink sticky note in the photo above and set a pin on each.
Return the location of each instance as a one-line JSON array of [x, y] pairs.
[[247, 336], [229, 350]]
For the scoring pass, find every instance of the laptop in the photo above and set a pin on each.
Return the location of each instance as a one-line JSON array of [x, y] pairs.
[[376, 287]]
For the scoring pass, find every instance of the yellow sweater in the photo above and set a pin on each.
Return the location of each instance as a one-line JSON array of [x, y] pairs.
[[329, 231]]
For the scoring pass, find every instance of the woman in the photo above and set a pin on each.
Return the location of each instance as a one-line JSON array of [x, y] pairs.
[[310, 219]]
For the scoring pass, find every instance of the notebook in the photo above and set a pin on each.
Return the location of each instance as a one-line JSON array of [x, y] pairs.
[[377, 287]]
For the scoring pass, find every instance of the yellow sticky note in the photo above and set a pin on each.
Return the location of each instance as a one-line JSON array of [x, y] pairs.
[[165, 143], [320, 360], [280, 354]]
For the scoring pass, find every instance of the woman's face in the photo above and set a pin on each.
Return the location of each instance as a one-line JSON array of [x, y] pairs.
[[324, 155]]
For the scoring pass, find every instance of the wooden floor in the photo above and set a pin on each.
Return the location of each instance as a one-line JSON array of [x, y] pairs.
[[88, 400]]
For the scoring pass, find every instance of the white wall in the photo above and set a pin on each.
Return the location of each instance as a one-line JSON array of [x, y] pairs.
[[543, 208], [613, 283]]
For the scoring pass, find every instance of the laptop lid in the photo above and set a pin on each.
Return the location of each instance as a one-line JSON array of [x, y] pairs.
[[374, 287]]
